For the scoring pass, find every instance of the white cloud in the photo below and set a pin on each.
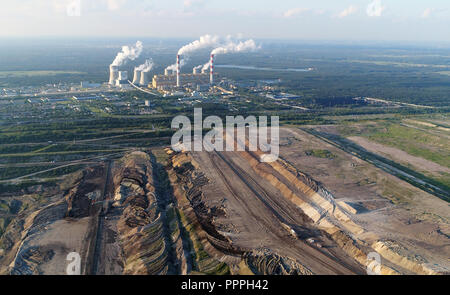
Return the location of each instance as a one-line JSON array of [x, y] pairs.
[[348, 11], [294, 12], [427, 12], [375, 9], [193, 3], [115, 4]]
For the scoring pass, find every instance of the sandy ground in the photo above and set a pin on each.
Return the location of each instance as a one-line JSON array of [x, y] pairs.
[[110, 260], [62, 237], [390, 208], [254, 211], [400, 156]]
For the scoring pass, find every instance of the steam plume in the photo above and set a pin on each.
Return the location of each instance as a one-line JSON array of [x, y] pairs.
[[145, 67], [205, 41], [128, 53], [232, 47]]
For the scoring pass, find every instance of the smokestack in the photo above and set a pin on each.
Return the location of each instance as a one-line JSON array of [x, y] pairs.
[[137, 76], [145, 78], [178, 70], [113, 74], [211, 66]]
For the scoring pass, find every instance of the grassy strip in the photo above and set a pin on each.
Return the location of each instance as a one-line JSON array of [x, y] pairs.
[[430, 185], [61, 153]]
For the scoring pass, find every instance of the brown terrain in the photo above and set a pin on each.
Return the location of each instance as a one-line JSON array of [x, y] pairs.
[[231, 213]]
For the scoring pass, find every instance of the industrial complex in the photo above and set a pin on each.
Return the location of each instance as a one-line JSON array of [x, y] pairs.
[[199, 79]]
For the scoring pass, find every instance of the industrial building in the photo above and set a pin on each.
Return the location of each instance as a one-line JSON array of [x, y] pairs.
[[199, 79], [163, 82]]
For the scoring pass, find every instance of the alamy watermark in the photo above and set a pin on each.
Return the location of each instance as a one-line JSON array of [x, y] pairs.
[[74, 8], [373, 263], [232, 137], [74, 266]]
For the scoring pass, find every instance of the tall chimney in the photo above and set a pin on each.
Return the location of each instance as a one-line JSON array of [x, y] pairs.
[[211, 67], [113, 74], [178, 70]]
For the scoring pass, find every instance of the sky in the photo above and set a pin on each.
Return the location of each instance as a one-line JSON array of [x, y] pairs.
[[346, 20]]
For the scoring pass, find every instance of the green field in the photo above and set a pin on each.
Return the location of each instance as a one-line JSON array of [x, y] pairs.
[[24, 74], [413, 141], [399, 64]]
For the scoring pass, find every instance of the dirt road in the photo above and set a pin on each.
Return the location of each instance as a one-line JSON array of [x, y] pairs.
[[257, 211]]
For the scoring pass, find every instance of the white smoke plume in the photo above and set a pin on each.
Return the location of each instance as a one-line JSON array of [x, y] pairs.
[[232, 47], [204, 41], [145, 67], [128, 53], [205, 66], [174, 66]]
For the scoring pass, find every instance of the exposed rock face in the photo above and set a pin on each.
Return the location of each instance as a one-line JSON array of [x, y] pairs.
[[193, 181], [272, 264], [190, 181], [28, 261], [39, 239], [140, 228]]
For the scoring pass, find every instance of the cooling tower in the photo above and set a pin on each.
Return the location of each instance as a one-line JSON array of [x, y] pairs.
[[178, 70], [123, 75], [145, 80], [113, 74], [211, 66], [137, 76]]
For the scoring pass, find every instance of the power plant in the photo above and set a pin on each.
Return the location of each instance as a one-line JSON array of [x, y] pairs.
[[172, 77], [165, 82]]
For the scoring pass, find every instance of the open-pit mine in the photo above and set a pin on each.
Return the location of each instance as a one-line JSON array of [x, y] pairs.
[[168, 212]]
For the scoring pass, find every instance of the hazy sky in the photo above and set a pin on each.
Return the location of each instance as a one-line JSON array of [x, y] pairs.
[[402, 20]]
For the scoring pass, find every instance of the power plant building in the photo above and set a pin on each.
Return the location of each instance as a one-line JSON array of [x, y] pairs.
[[170, 81]]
